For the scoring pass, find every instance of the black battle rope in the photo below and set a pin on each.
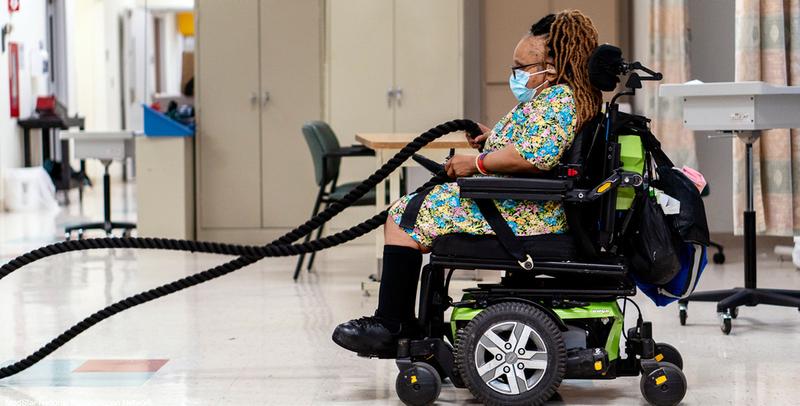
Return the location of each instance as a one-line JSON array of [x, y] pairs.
[[247, 254]]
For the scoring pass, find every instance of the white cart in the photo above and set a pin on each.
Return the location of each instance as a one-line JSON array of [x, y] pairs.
[[107, 146], [744, 108]]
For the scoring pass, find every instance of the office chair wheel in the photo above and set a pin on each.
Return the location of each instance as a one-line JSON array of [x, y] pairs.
[[666, 386], [682, 313], [734, 312], [127, 233], [718, 258], [667, 353], [725, 322], [419, 385], [80, 234], [511, 354]]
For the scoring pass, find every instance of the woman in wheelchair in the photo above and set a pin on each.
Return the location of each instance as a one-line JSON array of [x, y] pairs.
[[550, 80]]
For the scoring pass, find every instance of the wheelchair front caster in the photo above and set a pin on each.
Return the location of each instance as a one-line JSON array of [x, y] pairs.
[[718, 258], [725, 322], [667, 353], [665, 386], [682, 313], [418, 385]]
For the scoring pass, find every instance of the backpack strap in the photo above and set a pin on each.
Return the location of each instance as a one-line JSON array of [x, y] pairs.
[[507, 238], [653, 146]]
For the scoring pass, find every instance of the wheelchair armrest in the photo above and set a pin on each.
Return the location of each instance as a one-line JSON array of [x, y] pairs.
[[556, 189], [353, 150], [515, 188]]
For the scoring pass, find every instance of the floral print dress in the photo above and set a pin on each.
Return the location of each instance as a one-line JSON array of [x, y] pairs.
[[540, 130]]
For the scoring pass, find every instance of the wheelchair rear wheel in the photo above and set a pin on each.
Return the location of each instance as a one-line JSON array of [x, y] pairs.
[[511, 354]]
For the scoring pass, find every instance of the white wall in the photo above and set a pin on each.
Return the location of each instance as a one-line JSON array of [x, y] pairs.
[[96, 82], [95, 43], [29, 30], [171, 54]]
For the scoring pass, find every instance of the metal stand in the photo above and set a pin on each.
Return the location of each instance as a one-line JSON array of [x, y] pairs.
[[107, 225], [729, 300]]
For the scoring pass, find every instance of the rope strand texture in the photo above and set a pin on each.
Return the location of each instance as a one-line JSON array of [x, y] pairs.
[[247, 254]]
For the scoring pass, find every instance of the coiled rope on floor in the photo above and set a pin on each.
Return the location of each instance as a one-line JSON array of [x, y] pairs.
[[247, 254]]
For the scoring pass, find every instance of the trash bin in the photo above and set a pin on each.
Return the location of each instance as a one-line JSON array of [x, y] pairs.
[[28, 189]]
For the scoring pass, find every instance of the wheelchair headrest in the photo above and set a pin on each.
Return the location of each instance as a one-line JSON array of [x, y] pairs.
[[605, 66]]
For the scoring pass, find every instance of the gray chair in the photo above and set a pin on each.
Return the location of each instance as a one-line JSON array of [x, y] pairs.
[[327, 154]]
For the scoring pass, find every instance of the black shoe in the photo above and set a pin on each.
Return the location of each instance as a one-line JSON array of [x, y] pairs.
[[372, 336]]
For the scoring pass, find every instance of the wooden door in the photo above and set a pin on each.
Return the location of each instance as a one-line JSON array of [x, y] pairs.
[[228, 133], [291, 94], [429, 65]]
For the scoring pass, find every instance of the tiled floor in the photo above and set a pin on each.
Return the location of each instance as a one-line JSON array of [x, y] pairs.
[[254, 337]]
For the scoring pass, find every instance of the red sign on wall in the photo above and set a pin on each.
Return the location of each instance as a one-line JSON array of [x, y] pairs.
[[13, 77], [13, 5]]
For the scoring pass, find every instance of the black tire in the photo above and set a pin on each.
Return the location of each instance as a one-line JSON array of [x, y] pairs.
[[667, 353], [726, 326], [734, 312], [682, 315], [719, 258], [666, 386], [419, 385], [544, 382]]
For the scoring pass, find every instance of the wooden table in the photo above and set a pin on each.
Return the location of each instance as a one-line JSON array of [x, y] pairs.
[[386, 145]]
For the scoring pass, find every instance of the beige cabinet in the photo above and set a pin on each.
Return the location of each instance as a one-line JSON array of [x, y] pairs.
[[165, 187], [393, 65], [228, 114], [258, 79], [291, 91]]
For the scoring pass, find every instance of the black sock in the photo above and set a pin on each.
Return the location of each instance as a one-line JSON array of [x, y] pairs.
[[399, 279]]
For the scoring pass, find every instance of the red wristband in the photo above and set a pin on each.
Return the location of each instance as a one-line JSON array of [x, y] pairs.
[[479, 163]]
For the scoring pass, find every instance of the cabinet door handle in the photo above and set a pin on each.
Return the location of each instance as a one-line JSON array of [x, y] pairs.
[[265, 98], [253, 98], [398, 94], [389, 97]]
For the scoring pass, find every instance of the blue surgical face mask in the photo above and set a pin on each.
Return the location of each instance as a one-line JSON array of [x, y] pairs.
[[519, 85]]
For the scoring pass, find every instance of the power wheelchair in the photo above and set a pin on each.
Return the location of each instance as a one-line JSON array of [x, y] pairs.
[[554, 314]]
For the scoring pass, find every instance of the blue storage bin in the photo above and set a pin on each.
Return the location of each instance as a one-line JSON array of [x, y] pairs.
[[156, 124]]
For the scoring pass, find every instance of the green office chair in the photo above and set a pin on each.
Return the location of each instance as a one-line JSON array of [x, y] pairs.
[[327, 156]]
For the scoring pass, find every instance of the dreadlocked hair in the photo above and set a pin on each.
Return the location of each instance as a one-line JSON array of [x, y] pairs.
[[571, 40]]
